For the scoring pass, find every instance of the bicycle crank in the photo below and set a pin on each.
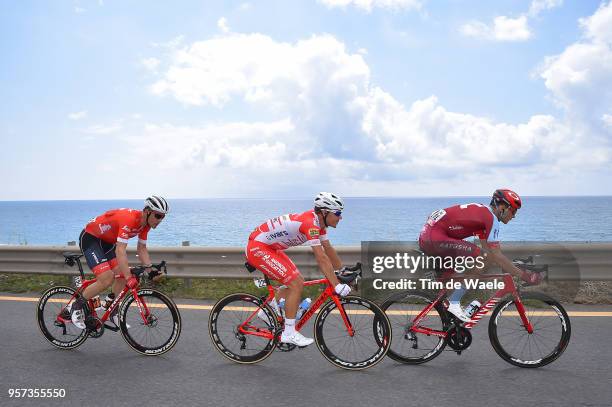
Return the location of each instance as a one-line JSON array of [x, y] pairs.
[[458, 338]]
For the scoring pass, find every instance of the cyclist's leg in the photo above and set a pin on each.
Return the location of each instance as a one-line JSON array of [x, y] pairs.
[[276, 265], [436, 242], [100, 260]]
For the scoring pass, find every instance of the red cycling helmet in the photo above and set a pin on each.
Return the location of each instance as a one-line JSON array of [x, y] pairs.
[[508, 197]]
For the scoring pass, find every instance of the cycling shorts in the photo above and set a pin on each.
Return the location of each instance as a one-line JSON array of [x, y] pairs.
[[99, 254], [273, 263], [435, 242]]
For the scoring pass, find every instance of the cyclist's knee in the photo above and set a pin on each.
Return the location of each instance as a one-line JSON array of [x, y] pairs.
[[106, 279], [297, 283]]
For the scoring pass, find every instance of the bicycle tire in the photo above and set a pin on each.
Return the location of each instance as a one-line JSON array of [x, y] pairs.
[[225, 318], [536, 316], [158, 314], [401, 308], [47, 312], [379, 328]]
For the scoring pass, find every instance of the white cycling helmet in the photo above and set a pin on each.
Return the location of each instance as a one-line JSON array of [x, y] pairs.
[[329, 201], [157, 204]]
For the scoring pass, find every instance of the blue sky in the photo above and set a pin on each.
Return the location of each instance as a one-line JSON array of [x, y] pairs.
[[286, 98]]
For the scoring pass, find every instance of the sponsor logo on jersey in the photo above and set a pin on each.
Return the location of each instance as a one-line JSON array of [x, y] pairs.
[[278, 234], [455, 227], [313, 232], [104, 228]]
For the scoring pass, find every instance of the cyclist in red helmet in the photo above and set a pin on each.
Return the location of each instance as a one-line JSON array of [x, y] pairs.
[[445, 230]]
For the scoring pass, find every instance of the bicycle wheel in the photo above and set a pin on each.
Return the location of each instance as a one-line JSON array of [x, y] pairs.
[[408, 346], [512, 342], [53, 316], [163, 327], [371, 338], [229, 314]]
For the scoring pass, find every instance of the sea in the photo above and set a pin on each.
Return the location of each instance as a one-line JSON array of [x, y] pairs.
[[228, 222]]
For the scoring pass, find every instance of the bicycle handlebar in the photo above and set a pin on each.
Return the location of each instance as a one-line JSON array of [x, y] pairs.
[[349, 274], [156, 270]]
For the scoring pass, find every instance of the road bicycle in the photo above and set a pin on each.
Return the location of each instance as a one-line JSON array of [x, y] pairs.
[[527, 329], [351, 332], [149, 320]]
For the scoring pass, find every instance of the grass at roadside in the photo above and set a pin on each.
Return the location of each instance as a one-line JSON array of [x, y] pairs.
[[209, 288]]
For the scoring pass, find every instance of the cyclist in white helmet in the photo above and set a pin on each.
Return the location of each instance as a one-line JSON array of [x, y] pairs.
[[265, 251], [104, 245]]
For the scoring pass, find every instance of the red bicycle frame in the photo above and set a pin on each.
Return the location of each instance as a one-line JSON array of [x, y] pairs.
[[509, 288], [248, 329], [142, 307]]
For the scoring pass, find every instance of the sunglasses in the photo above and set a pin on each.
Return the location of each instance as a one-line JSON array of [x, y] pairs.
[[159, 215], [338, 213]]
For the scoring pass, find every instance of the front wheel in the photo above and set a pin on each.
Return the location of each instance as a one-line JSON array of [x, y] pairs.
[[242, 328], [356, 336], [53, 316], [153, 334], [512, 342]]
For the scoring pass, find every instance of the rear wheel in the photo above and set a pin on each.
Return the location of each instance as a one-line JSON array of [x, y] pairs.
[[408, 346], [53, 316], [237, 339], [512, 342], [162, 328]]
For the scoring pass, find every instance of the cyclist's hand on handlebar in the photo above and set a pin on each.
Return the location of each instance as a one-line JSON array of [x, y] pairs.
[[132, 282], [342, 289], [532, 278]]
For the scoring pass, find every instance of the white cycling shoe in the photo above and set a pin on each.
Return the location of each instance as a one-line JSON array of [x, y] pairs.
[[455, 309], [297, 339]]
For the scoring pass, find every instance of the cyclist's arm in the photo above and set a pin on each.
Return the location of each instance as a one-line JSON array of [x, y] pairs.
[[332, 254], [325, 265], [143, 254], [122, 259], [494, 254]]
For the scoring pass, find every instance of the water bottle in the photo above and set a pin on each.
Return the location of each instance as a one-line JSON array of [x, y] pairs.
[[472, 308], [97, 304], [281, 307], [304, 305], [108, 300]]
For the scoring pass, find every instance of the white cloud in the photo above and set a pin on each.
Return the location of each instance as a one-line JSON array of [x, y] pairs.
[[79, 10], [537, 6], [580, 77], [368, 5], [222, 24], [331, 116], [503, 29], [244, 6], [103, 129], [77, 115], [150, 64]]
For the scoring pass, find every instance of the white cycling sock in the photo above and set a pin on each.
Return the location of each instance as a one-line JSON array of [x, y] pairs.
[[289, 326]]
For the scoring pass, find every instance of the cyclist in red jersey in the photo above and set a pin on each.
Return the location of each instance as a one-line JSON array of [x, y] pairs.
[[104, 245], [265, 251], [445, 230]]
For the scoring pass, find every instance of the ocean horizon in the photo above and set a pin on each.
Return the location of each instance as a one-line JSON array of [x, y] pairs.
[[228, 221]]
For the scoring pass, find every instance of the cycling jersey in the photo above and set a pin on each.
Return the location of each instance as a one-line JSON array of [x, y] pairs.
[[445, 230], [267, 242], [286, 231], [118, 225]]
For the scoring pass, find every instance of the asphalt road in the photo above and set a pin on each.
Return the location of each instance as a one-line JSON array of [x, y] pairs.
[[107, 372]]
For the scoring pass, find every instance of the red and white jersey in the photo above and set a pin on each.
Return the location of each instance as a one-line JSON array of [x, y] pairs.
[[296, 229], [118, 225], [461, 221]]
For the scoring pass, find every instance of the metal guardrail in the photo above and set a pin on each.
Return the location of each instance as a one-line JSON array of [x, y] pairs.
[[571, 261]]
